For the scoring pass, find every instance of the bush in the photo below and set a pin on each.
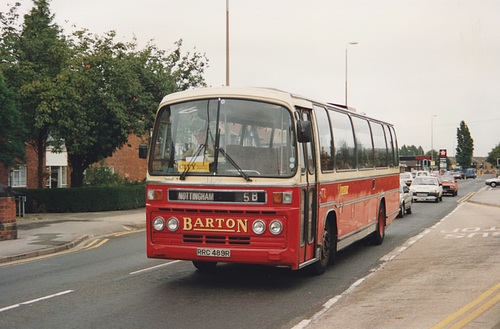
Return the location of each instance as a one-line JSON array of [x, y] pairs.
[[85, 199], [101, 176]]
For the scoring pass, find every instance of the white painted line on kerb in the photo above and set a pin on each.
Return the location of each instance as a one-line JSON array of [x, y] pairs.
[[154, 267], [35, 300]]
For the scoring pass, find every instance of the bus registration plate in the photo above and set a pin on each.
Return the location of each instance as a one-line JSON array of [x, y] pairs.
[[212, 252]]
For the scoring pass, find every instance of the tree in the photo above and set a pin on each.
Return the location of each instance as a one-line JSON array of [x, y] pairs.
[[12, 131], [494, 155], [411, 150], [465, 146], [110, 90], [31, 58]]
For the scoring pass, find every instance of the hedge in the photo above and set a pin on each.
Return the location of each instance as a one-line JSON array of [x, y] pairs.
[[84, 199]]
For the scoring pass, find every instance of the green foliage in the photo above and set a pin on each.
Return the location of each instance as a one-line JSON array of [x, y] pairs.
[[465, 146], [32, 55], [12, 130], [494, 155], [85, 199], [411, 150], [100, 176], [89, 92]]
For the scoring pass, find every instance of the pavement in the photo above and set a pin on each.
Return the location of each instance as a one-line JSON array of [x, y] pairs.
[[42, 234], [446, 277]]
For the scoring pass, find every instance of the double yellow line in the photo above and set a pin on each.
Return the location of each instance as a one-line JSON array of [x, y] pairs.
[[484, 299], [100, 241], [466, 197], [95, 244]]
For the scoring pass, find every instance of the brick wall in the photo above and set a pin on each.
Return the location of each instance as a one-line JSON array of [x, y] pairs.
[[8, 225], [126, 160]]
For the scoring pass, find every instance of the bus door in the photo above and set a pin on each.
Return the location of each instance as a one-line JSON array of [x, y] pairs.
[[309, 203]]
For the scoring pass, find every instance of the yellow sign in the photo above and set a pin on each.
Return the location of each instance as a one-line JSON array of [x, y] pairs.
[[343, 190], [194, 166]]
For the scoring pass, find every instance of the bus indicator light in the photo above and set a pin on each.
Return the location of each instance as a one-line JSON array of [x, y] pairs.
[[282, 197], [155, 195]]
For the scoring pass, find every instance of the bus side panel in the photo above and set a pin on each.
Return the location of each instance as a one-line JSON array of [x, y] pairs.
[[356, 202]]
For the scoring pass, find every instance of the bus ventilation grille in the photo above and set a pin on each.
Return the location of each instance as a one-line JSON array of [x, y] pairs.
[[216, 239]]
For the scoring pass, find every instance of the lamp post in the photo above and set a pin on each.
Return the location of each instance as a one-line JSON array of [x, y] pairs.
[[227, 42], [432, 137], [346, 45]]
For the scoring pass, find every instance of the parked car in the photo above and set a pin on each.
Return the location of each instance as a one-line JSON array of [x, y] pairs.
[[426, 188], [449, 184], [406, 177], [405, 200], [470, 173], [493, 182]]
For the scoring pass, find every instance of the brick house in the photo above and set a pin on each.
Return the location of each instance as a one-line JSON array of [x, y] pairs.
[[124, 161]]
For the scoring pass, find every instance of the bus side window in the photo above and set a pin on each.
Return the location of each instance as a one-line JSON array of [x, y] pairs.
[[379, 145], [364, 143], [325, 139], [343, 141]]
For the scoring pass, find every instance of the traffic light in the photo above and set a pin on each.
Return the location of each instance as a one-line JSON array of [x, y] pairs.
[[425, 162], [498, 162]]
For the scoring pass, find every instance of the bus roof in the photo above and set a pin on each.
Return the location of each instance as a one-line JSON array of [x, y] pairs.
[[259, 93]]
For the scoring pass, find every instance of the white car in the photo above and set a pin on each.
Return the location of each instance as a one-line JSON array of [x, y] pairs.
[[406, 177], [493, 182], [422, 173], [426, 188], [405, 200]]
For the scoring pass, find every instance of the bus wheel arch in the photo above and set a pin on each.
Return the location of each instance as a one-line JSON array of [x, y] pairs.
[[328, 245]]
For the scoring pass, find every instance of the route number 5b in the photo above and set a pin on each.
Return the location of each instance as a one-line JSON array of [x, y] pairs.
[[250, 197]]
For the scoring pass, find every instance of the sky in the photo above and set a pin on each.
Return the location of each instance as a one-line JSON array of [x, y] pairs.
[[422, 65]]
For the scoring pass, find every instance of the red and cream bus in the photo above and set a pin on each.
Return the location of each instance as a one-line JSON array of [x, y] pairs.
[[261, 176]]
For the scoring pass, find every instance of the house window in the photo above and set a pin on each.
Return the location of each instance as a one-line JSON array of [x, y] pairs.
[[58, 177], [18, 177]]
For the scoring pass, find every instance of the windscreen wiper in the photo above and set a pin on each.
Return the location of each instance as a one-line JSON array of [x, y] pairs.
[[235, 165], [190, 164]]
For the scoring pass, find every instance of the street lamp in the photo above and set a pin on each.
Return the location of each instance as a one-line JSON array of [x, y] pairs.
[[432, 136], [347, 44]]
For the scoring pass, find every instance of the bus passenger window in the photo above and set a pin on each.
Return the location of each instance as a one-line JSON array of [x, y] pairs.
[[325, 139], [343, 141], [380, 146], [364, 144]]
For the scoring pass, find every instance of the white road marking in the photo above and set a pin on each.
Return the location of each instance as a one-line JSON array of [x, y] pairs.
[[154, 267], [35, 300]]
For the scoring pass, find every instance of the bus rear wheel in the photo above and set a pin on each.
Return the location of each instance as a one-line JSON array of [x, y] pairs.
[[378, 236]]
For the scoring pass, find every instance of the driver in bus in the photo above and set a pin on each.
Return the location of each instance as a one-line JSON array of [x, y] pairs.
[[200, 139]]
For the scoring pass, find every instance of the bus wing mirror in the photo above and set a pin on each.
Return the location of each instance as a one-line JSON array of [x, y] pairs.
[[143, 151], [304, 131]]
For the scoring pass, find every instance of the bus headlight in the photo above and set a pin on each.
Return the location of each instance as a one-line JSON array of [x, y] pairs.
[[172, 224], [258, 227], [159, 223], [275, 227]]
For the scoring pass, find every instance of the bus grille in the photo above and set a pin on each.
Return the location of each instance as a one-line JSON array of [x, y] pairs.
[[216, 239]]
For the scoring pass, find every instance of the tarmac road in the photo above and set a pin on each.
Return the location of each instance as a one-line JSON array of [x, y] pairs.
[[419, 283]]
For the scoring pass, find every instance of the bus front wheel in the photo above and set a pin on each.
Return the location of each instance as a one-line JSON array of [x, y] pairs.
[[328, 249], [204, 266]]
